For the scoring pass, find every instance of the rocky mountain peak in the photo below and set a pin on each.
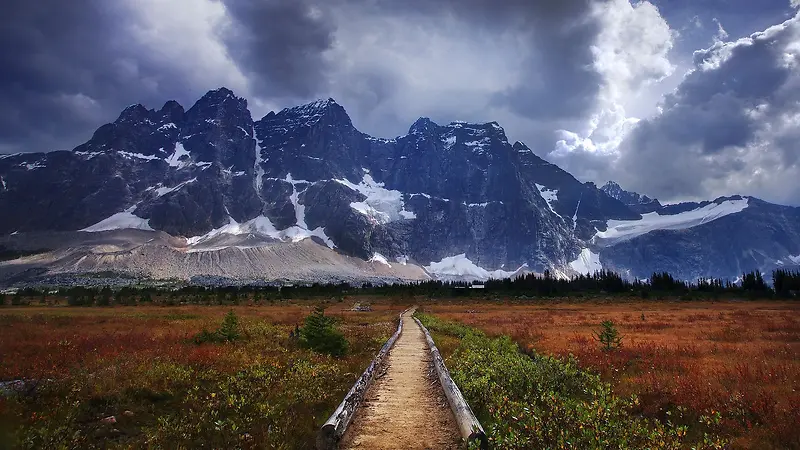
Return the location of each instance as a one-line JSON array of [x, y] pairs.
[[637, 202], [171, 112], [520, 147], [133, 113], [217, 103], [322, 112], [612, 189], [422, 126]]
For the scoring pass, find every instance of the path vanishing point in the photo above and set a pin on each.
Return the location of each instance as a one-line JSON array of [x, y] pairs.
[[405, 408]]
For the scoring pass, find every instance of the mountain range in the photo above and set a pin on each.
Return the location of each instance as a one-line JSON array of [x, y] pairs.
[[302, 195]]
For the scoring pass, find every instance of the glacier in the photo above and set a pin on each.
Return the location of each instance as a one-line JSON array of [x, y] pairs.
[[623, 230]]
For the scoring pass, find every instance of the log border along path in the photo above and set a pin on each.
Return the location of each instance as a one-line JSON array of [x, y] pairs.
[[412, 403]]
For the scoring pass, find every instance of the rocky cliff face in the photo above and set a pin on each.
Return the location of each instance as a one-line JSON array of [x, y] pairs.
[[216, 177]]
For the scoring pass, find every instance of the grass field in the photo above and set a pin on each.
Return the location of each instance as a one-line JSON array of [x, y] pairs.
[[141, 366], [740, 359]]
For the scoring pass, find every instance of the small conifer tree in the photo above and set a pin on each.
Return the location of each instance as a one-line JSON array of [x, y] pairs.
[[319, 333], [229, 331], [608, 336]]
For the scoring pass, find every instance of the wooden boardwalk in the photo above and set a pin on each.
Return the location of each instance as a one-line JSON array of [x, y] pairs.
[[405, 408]]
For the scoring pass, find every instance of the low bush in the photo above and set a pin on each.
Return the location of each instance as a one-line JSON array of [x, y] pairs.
[[534, 401], [319, 333], [227, 332]]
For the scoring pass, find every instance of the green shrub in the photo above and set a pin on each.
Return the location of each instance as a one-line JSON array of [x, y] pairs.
[[267, 405], [227, 332], [539, 401], [319, 333]]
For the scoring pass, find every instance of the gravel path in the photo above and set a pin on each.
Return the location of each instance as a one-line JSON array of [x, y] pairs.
[[405, 408]]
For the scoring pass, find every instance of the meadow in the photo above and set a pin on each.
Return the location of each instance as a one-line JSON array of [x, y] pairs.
[[735, 361], [134, 377]]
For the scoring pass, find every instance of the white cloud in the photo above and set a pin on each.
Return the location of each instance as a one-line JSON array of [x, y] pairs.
[[721, 33], [632, 55], [731, 127]]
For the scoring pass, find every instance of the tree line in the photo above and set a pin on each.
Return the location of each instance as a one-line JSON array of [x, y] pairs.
[[785, 284]]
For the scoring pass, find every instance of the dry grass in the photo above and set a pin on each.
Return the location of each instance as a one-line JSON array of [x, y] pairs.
[[46, 342], [739, 358], [143, 358]]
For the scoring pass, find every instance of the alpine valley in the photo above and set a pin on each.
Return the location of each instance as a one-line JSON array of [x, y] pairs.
[[208, 194]]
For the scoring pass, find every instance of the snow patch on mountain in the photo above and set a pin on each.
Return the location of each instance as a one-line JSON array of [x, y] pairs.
[[121, 221], [299, 209], [3, 182], [622, 230], [461, 267], [162, 191], [138, 156], [795, 259], [429, 197], [549, 195], [587, 263], [259, 170], [479, 146], [263, 226], [378, 258], [175, 159], [232, 228], [36, 165], [89, 155], [259, 226], [381, 205]]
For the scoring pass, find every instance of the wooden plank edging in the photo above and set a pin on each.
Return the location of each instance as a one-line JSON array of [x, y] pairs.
[[471, 430], [332, 431]]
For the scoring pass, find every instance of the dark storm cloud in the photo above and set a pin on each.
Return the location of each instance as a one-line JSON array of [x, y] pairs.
[[730, 127], [280, 45], [69, 67], [559, 81], [49, 50]]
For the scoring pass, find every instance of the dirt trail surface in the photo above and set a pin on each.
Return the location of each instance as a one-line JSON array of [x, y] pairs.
[[405, 408]]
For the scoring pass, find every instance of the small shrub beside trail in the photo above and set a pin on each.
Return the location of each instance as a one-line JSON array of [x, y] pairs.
[[319, 333]]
